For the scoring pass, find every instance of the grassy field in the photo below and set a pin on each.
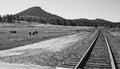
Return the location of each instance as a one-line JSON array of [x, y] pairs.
[[71, 54], [10, 40]]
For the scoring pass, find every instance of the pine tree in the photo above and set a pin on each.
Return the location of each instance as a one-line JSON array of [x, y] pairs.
[[9, 18], [0, 18]]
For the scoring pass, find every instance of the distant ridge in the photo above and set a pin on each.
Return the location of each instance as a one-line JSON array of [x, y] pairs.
[[37, 12]]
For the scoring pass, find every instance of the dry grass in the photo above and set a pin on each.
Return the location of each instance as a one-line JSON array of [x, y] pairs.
[[71, 54], [22, 37]]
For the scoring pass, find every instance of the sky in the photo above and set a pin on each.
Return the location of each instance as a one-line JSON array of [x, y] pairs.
[[69, 9]]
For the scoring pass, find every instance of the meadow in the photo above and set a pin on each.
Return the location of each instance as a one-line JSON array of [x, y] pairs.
[[78, 38], [10, 40]]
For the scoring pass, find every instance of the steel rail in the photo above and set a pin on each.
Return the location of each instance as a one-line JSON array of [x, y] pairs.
[[112, 60], [83, 60]]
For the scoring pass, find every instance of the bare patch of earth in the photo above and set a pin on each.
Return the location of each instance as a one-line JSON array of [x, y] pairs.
[[22, 66], [115, 33]]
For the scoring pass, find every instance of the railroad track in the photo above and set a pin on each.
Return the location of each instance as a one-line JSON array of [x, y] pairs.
[[98, 56]]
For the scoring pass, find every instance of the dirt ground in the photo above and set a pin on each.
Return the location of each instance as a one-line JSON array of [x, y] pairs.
[[22, 66]]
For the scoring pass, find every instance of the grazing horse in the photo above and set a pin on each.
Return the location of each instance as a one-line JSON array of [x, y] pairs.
[[33, 33], [13, 31], [30, 33]]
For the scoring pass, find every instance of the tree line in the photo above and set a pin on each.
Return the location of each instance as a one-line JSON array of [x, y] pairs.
[[56, 21], [9, 18]]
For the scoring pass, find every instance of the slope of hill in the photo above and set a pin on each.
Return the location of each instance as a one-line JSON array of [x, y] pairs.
[[38, 13]]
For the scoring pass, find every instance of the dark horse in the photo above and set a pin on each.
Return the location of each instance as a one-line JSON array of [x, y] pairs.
[[33, 33], [13, 31]]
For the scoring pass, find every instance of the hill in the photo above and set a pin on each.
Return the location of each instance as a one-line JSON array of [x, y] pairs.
[[37, 13]]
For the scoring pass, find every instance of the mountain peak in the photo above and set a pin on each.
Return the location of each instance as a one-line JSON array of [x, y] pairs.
[[35, 7]]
